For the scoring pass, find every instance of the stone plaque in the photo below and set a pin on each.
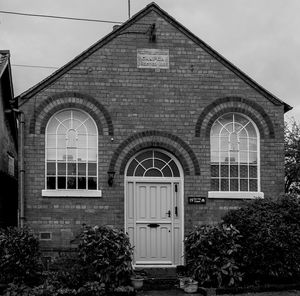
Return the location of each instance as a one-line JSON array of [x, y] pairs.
[[153, 58]]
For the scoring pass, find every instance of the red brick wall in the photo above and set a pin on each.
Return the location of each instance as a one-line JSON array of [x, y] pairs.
[[129, 101]]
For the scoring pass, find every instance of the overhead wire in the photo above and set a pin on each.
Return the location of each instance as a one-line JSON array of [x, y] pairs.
[[60, 17], [33, 66], [55, 17]]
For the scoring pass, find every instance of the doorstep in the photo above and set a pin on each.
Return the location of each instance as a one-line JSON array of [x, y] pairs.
[[157, 272], [158, 278], [171, 292]]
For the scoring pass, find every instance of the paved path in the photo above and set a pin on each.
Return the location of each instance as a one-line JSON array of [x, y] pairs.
[[181, 293], [175, 292]]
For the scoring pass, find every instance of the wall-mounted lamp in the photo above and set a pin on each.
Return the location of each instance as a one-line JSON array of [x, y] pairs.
[[111, 176]]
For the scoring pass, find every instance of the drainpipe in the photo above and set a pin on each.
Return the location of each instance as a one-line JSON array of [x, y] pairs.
[[21, 169]]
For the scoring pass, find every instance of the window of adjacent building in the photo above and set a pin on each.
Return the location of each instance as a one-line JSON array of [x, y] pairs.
[[71, 151], [234, 142], [11, 165]]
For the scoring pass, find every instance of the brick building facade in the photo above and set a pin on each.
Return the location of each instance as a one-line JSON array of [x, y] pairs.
[[150, 129]]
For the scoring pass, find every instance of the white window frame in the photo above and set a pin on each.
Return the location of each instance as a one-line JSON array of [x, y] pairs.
[[71, 192], [239, 194]]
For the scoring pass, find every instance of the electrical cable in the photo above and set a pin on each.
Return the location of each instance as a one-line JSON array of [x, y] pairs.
[[33, 66], [56, 17], [60, 17]]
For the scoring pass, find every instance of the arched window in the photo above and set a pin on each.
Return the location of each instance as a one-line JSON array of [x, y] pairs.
[[71, 151], [234, 146]]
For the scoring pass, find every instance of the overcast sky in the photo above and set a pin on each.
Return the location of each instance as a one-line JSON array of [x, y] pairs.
[[261, 37]]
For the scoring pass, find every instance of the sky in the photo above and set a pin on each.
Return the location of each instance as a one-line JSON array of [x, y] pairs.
[[260, 37]]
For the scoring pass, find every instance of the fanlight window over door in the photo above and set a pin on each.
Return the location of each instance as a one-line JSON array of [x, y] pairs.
[[153, 163]]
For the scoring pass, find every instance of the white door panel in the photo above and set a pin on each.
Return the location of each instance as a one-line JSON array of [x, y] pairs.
[[154, 244], [153, 224]]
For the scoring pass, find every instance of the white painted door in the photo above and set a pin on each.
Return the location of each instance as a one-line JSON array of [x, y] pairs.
[[153, 223], [154, 208]]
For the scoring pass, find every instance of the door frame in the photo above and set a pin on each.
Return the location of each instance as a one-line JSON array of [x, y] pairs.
[[159, 180]]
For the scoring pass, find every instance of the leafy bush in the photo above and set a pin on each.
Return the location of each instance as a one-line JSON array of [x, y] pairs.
[[108, 251], [210, 255], [69, 272], [92, 289], [270, 239], [292, 157], [46, 289], [19, 256], [18, 290], [102, 264]]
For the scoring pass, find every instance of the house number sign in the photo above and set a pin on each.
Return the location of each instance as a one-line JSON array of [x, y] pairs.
[[153, 58], [197, 200]]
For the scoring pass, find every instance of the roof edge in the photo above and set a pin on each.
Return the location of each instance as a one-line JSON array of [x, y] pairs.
[[152, 6], [77, 59], [5, 62], [8, 99], [225, 61]]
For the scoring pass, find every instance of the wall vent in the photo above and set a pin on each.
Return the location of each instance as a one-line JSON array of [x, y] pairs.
[[45, 235]]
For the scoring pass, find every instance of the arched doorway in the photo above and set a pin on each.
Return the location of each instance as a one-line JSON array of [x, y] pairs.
[[154, 208]]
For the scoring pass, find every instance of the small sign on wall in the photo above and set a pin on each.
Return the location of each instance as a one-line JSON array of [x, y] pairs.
[[197, 200], [153, 58]]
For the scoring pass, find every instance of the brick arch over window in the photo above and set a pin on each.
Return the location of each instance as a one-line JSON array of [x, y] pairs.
[[234, 104], [157, 139], [65, 100]]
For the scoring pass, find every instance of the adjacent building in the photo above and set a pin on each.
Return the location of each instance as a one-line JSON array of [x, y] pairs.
[[8, 145]]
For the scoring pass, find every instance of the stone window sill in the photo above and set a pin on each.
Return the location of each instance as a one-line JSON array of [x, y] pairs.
[[72, 193], [235, 194]]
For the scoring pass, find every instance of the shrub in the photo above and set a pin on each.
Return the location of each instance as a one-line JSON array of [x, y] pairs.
[[46, 289], [69, 272], [19, 256], [108, 251], [92, 289], [210, 255], [18, 290], [270, 239]]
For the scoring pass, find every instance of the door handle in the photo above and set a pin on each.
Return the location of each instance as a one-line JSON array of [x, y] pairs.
[[153, 225], [169, 213]]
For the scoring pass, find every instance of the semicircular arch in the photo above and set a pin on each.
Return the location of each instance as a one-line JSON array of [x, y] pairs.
[[67, 100], [148, 139], [234, 104]]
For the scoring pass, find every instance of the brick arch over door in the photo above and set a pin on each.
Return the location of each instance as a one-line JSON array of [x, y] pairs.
[[66, 100], [157, 139], [234, 104]]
